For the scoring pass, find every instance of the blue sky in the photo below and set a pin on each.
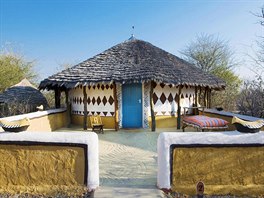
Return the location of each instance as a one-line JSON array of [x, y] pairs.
[[55, 32]]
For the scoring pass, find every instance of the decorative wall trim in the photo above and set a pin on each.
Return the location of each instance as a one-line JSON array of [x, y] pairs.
[[119, 98], [146, 104], [100, 100]]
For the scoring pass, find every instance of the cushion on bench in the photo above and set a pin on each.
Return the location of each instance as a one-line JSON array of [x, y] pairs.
[[205, 121]]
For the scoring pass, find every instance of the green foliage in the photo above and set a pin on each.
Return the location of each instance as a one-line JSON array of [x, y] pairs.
[[251, 98], [13, 69], [214, 56]]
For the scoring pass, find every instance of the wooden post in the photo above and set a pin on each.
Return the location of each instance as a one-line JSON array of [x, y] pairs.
[[57, 98], [195, 97], [153, 119], [68, 108], [116, 107], [179, 109], [200, 94], [205, 97], [209, 98], [85, 108]]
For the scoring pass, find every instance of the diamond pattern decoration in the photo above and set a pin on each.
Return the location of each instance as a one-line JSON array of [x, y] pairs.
[[111, 100], [182, 96], [98, 86], [176, 98], [92, 112], [107, 86], [89, 86], [88, 100], [155, 98], [154, 85], [105, 113], [170, 86], [162, 85], [111, 86], [77, 101], [98, 100], [104, 100], [93, 100], [80, 100], [98, 112], [102, 87], [163, 98], [94, 87], [170, 98], [112, 113]]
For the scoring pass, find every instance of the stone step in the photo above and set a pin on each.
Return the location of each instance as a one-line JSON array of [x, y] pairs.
[[126, 192]]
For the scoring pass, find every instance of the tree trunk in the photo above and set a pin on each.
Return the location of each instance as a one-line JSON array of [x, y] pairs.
[[116, 108], [179, 109], [152, 113], [85, 108]]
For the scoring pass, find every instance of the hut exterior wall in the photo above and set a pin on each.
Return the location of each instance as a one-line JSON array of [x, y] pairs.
[[165, 104], [100, 100]]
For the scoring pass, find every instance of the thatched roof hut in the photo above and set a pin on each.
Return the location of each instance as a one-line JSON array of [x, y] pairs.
[[133, 61], [21, 98], [137, 67]]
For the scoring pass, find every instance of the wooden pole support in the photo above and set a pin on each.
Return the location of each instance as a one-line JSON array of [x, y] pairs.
[[57, 98], [85, 108], [152, 113], [116, 107], [179, 109]]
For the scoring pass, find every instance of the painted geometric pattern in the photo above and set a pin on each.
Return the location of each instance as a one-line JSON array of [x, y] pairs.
[[100, 100], [119, 99], [146, 105], [165, 99]]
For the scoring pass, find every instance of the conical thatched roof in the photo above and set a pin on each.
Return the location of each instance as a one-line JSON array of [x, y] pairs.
[[130, 62], [25, 93]]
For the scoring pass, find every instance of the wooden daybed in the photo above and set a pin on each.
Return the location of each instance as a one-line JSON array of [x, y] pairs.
[[192, 118]]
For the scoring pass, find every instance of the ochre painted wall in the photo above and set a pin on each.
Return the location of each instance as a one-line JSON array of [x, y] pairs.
[[164, 121], [225, 170], [48, 169], [49, 122], [108, 121]]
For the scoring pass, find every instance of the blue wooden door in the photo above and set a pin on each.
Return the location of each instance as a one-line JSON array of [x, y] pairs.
[[132, 105]]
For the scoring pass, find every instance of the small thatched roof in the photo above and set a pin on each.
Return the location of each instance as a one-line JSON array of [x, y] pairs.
[[130, 62], [25, 93]]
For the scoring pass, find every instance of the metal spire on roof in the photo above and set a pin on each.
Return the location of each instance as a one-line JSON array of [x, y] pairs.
[[132, 38]]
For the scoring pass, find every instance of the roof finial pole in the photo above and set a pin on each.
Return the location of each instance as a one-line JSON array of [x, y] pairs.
[[133, 28], [132, 35]]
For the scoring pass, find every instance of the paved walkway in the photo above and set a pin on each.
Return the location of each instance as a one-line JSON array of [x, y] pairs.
[[128, 164]]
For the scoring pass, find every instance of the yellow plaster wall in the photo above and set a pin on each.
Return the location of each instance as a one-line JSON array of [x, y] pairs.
[[49, 122], [164, 121], [227, 170], [42, 169], [108, 121]]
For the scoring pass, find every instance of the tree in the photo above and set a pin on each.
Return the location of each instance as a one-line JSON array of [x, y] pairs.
[[214, 56], [13, 69], [251, 98]]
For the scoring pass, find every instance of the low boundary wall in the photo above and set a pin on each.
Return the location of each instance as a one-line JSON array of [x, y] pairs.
[[228, 163], [49, 163], [49, 120]]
